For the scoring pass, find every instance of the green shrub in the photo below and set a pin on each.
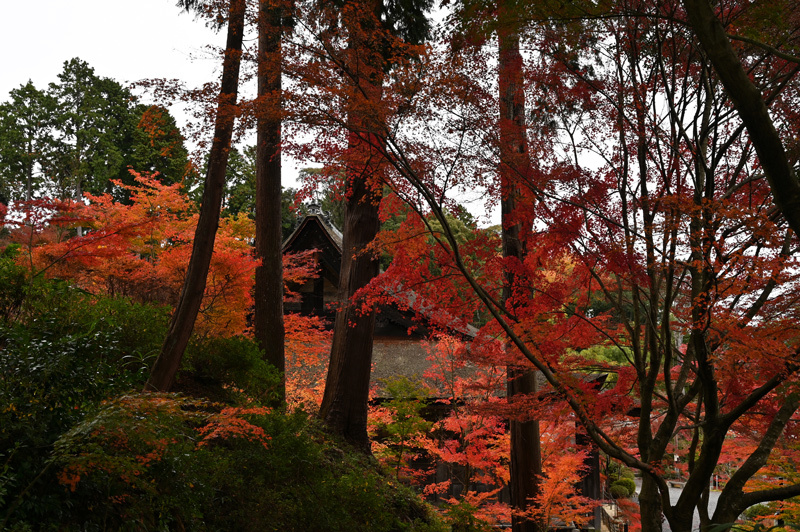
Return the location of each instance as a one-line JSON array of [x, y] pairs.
[[165, 462], [619, 491], [627, 483], [13, 284], [758, 511], [225, 368], [65, 351], [615, 471]]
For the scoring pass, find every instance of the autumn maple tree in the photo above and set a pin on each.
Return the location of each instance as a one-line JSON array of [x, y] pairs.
[[750, 101], [471, 442], [139, 250], [652, 228]]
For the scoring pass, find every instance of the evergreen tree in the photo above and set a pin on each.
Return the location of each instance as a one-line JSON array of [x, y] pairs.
[[26, 142], [81, 133]]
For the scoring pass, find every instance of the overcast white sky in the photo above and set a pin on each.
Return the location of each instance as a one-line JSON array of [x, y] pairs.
[[125, 41]]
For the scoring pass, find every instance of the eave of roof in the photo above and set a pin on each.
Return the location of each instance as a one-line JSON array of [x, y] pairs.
[[333, 235]]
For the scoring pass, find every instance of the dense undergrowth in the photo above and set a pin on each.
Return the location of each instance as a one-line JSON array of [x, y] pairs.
[[81, 449]]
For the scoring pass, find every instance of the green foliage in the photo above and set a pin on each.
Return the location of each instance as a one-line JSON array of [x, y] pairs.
[[165, 462], [328, 192], [759, 510], [628, 481], [74, 351], [618, 491], [239, 195], [757, 527], [463, 227], [620, 480], [615, 471], [13, 284], [628, 484], [240, 183], [26, 142], [461, 517], [461, 230], [66, 352], [157, 145], [405, 424], [291, 216], [79, 134], [128, 333], [608, 354], [226, 368]]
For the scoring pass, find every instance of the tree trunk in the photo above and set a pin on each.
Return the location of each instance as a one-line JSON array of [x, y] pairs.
[[29, 171], [344, 404], [166, 366], [268, 313], [650, 506], [525, 456]]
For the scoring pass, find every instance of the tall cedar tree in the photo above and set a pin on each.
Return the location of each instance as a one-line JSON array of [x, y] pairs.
[[370, 26], [166, 366], [514, 167], [268, 311], [525, 453], [344, 403], [26, 140]]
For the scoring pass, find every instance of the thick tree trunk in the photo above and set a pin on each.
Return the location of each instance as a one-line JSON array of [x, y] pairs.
[[166, 366], [525, 456], [268, 314], [650, 506], [344, 404], [526, 459]]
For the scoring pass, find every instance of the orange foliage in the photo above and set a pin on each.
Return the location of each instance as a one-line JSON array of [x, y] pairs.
[[472, 442], [558, 497], [307, 349], [229, 423], [630, 510], [141, 250]]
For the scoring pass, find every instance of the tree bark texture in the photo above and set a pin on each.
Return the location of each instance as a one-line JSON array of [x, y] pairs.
[[268, 312], [166, 366]]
